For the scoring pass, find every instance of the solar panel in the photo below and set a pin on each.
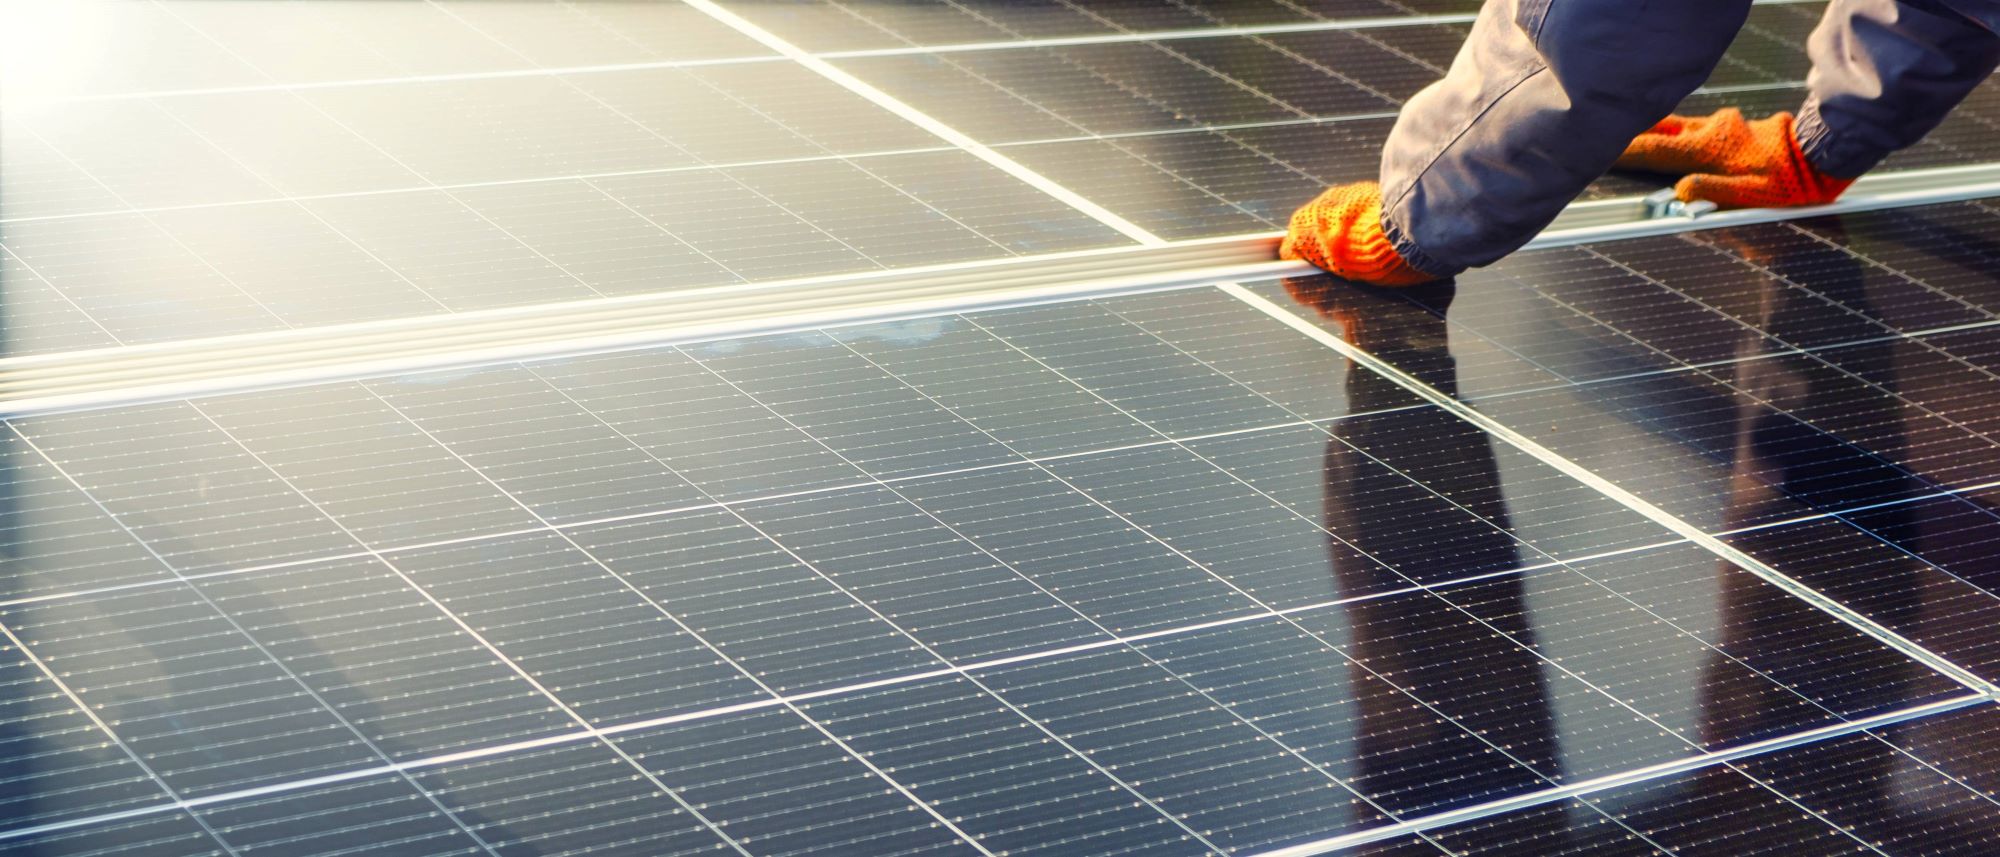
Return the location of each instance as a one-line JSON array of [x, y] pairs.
[[395, 192], [1148, 573], [1290, 623]]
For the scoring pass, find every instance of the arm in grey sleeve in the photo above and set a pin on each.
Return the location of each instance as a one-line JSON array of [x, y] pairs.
[[1886, 72], [1541, 100]]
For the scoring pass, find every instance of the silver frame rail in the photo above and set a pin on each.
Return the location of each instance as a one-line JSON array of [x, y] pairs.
[[106, 377]]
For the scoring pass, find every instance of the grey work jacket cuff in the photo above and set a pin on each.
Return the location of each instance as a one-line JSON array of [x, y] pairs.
[[1411, 253], [1827, 152]]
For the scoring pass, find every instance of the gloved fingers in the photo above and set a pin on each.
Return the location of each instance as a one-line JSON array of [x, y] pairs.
[[1662, 153], [1302, 238], [1741, 191], [1687, 144], [1340, 232]]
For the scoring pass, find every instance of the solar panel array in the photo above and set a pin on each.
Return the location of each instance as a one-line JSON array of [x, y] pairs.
[[188, 202], [1158, 573]]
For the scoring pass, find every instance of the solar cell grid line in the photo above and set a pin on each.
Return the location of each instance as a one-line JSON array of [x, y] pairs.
[[239, 309], [1558, 665], [1793, 347], [1869, 754], [630, 727], [727, 165], [1120, 193], [433, 301], [722, 165], [744, 57], [1863, 760], [664, 140], [579, 720], [905, 111], [461, 204], [1967, 595], [892, 622], [1821, 358], [1730, 554], [734, 498], [1871, 562], [1471, 833], [1138, 111], [27, 323], [746, 520], [302, 686], [1456, 504], [1360, 50], [893, 189], [421, 40], [98, 723], [1815, 356], [344, 237]]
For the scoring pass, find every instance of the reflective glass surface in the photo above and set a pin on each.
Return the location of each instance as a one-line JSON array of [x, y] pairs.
[[196, 168], [1161, 573], [1062, 576]]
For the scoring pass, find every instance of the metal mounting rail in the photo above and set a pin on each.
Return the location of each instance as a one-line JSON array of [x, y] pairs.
[[129, 374]]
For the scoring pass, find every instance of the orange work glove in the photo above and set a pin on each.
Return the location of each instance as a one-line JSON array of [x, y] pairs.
[[1732, 162], [1340, 231]]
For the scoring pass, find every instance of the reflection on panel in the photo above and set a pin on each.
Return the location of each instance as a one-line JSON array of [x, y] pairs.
[[1760, 381], [867, 559]]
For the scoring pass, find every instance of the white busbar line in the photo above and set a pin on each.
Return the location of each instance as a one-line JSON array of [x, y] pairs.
[[925, 121], [1629, 500]]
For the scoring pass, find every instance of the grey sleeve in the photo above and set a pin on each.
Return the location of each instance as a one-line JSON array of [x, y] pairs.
[[1886, 72], [1541, 100]]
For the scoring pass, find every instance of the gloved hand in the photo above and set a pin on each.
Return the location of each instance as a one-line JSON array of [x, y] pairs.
[[1732, 162], [1341, 232]]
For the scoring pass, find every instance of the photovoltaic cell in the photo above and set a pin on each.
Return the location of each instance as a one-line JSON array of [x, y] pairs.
[[906, 557], [577, 797], [170, 477], [342, 817], [91, 263], [445, 38], [1069, 543], [597, 641], [778, 785], [57, 760], [179, 167], [1887, 580], [553, 129], [1719, 811], [183, 683], [848, 26], [786, 624], [932, 732], [177, 835]]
